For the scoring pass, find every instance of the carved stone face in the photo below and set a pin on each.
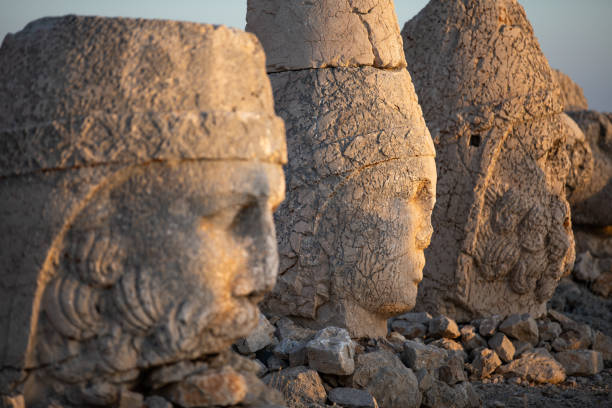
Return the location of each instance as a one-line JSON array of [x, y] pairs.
[[383, 225], [166, 262]]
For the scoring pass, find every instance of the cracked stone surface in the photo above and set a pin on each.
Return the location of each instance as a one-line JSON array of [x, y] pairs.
[[361, 185], [503, 230], [305, 34], [137, 178], [571, 93]]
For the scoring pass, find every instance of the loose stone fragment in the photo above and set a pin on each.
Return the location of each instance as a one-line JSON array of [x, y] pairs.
[[418, 356], [503, 232], [548, 330], [443, 326], [488, 325], [452, 372], [470, 339], [537, 366], [451, 346], [485, 363], [301, 387], [603, 344], [128, 399], [332, 352], [409, 329], [215, 387], [586, 268], [580, 362], [262, 336], [156, 401], [352, 398], [287, 329], [521, 327], [503, 347], [573, 339], [603, 285], [441, 395], [387, 379], [521, 347], [415, 317]]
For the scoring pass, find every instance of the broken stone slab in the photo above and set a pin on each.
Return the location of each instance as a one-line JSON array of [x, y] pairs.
[[415, 317], [503, 233], [213, 387], [352, 398], [535, 366], [572, 95], [603, 344], [354, 134], [548, 330], [485, 363], [327, 33], [332, 351], [452, 372], [408, 329], [418, 356], [502, 346], [387, 379], [488, 325], [471, 339], [288, 329], [262, 336], [442, 326], [574, 339], [521, 327], [580, 362], [301, 387]]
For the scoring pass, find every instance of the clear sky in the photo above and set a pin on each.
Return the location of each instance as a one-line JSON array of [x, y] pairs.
[[576, 36]]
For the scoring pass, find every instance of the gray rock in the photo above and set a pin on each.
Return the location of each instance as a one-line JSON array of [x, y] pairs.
[[355, 135], [301, 387], [502, 346], [485, 363], [586, 268], [470, 339], [441, 395], [443, 326], [535, 366], [452, 347], [521, 347], [573, 339], [352, 398], [489, 325], [262, 336], [417, 356], [132, 174], [387, 379], [548, 330], [288, 329], [425, 379], [415, 317], [408, 329], [503, 232], [580, 362], [521, 327], [156, 401], [603, 344], [452, 372], [332, 351]]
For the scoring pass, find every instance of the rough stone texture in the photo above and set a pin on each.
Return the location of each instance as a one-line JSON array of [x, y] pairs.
[[586, 268], [452, 372], [485, 363], [327, 33], [582, 162], [301, 387], [418, 356], [387, 379], [537, 366], [352, 398], [603, 344], [488, 325], [572, 96], [502, 346], [441, 395], [580, 362], [603, 285], [361, 187], [503, 232], [262, 336], [521, 347], [450, 345], [521, 327], [155, 401], [592, 205], [332, 352], [106, 125], [548, 330], [408, 329], [470, 339], [442, 326]]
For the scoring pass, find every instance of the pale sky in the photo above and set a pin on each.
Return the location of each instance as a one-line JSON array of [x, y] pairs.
[[576, 36]]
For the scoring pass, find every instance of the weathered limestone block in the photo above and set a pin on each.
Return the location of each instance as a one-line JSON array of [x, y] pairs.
[[581, 362], [572, 95], [139, 163], [503, 231], [305, 34], [361, 174], [537, 366], [592, 205], [332, 352]]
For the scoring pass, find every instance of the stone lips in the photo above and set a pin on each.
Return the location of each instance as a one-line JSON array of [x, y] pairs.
[[493, 107], [326, 33], [179, 90]]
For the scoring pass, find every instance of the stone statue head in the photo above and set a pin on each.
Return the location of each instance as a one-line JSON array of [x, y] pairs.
[[141, 165], [361, 188]]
